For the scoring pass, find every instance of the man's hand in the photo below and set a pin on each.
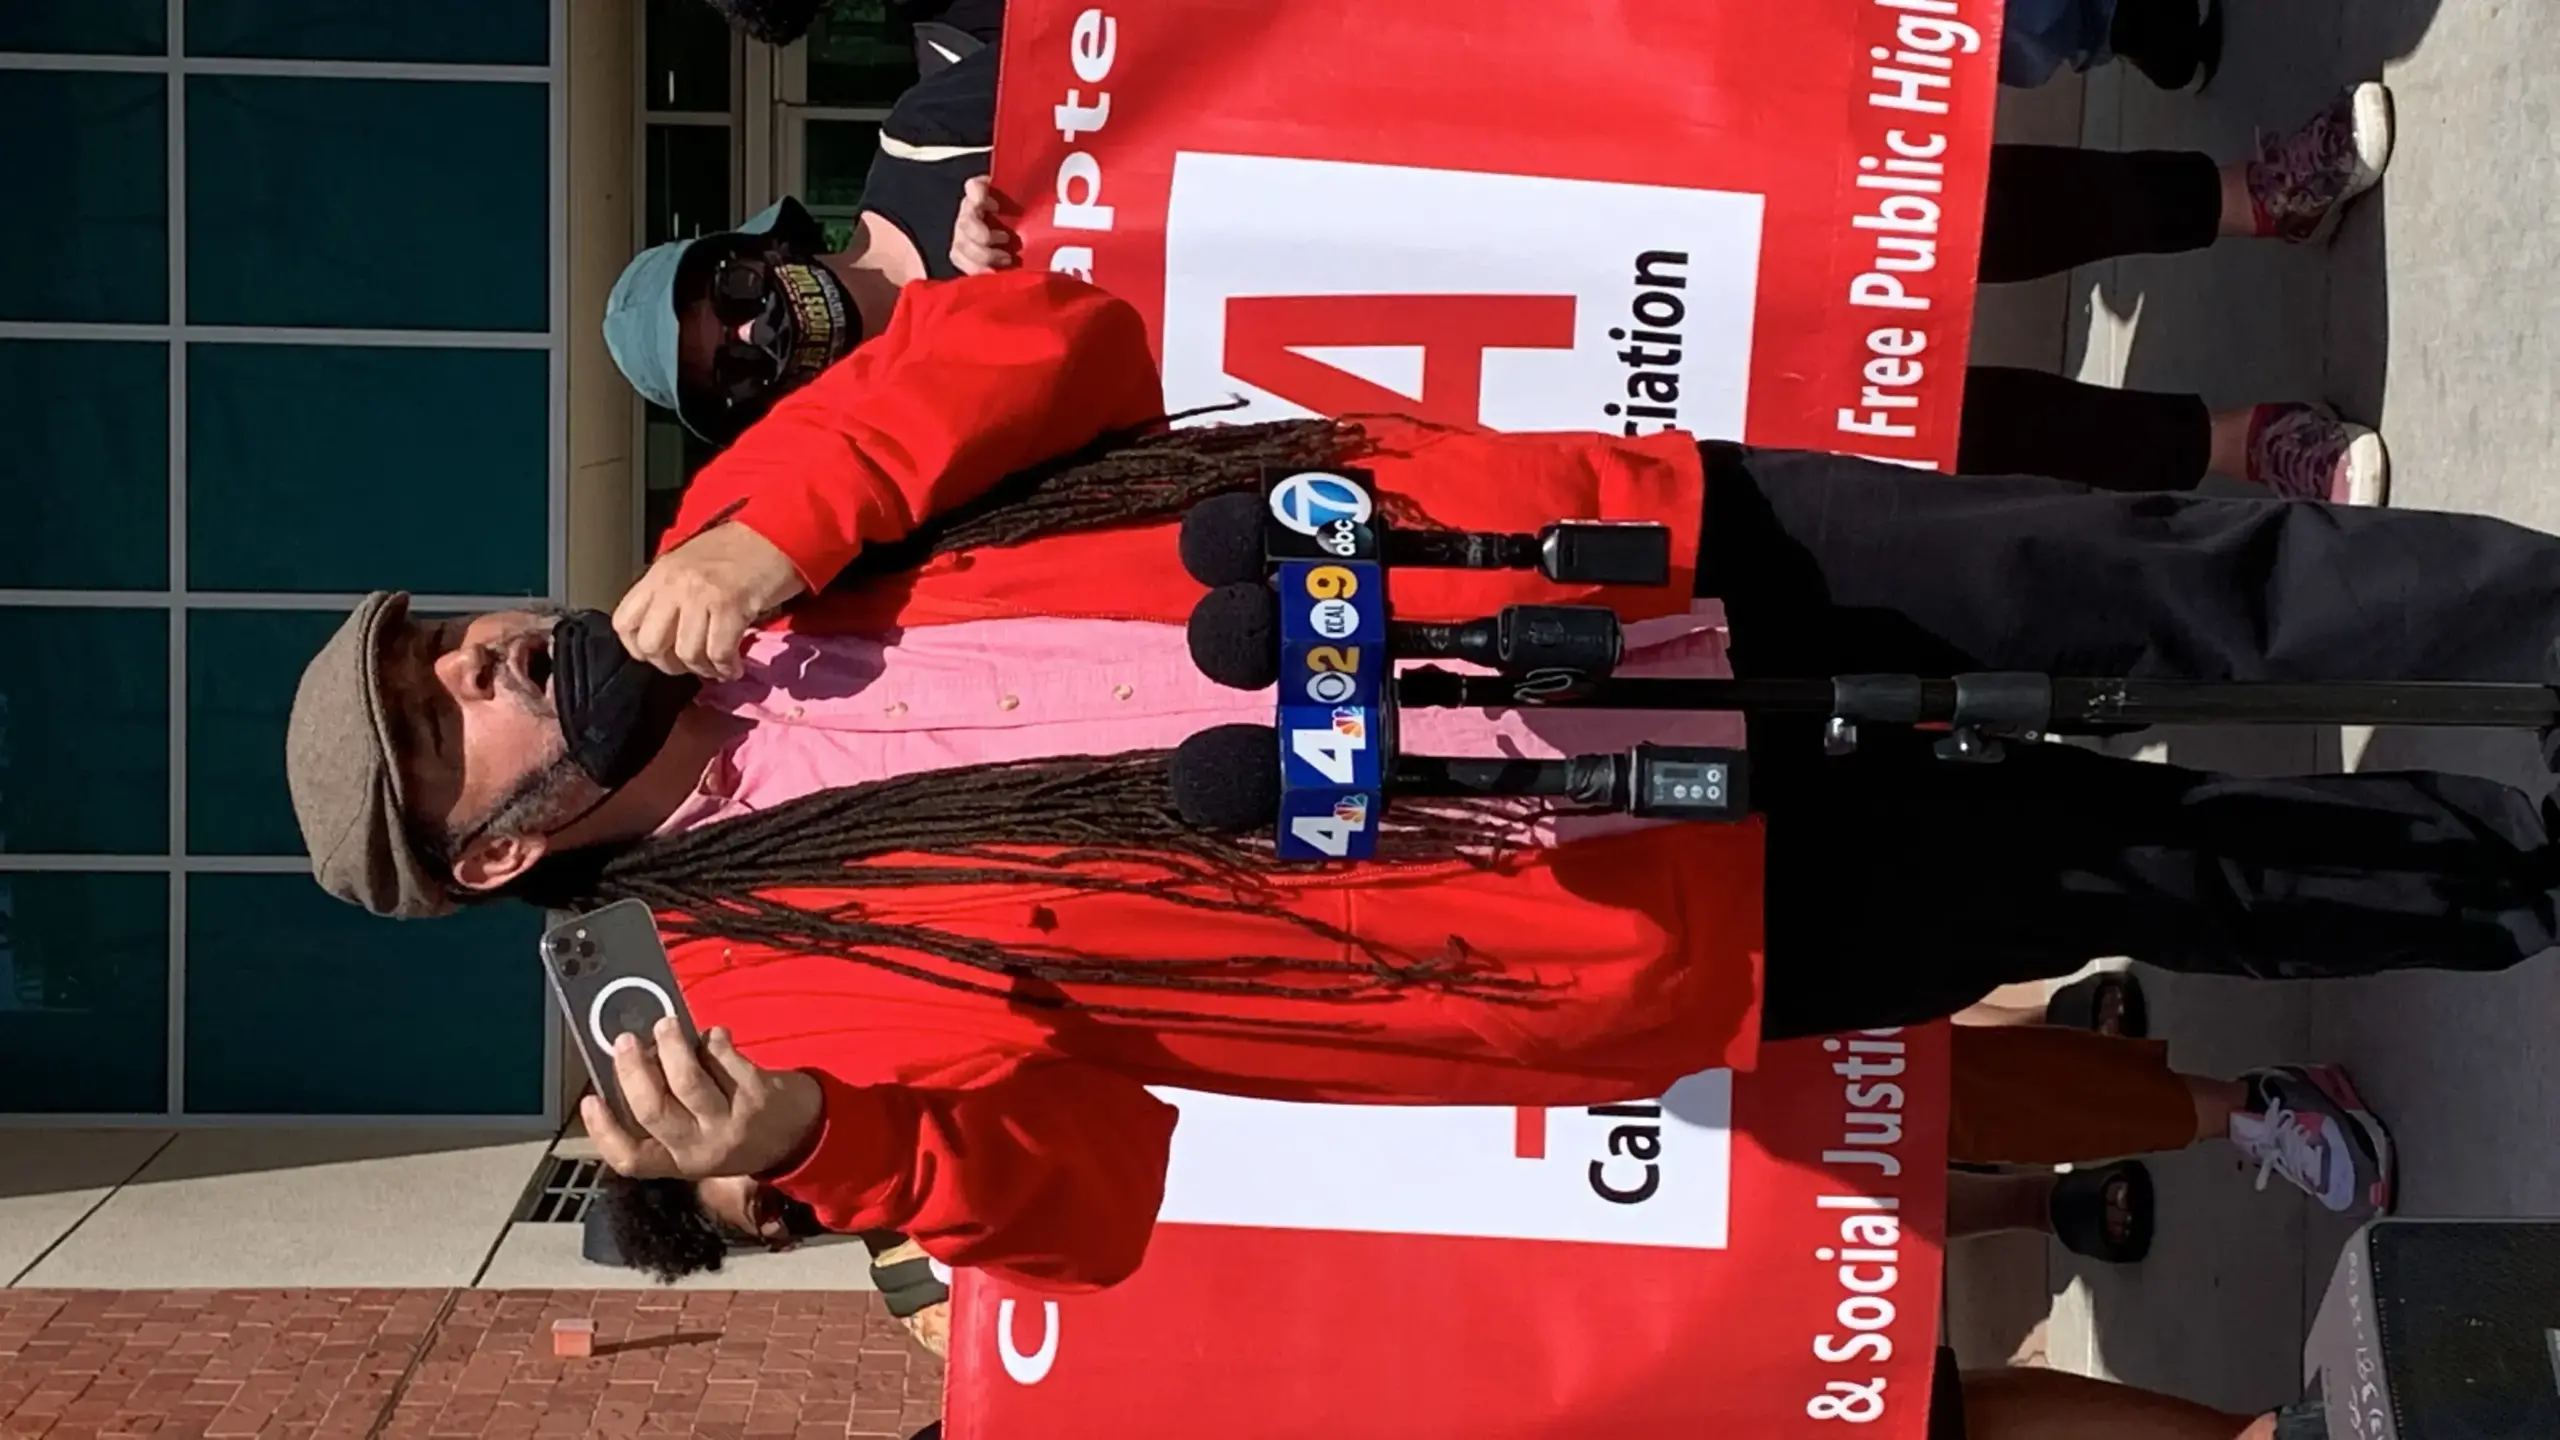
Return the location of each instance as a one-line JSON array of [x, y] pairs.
[[692, 610], [701, 1120], [979, 241]]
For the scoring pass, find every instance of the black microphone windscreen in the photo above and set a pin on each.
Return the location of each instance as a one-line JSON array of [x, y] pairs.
[[1235, 636], [1222, 539], [1227, 780]]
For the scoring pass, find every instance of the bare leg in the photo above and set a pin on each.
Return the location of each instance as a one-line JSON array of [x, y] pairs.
[[1997, 1009], [2230, 450], [2215, 1101], [2050, 1405], [1988, 1204], [2239, 212]]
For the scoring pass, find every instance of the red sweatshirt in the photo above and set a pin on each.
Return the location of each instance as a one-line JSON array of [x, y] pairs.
[[1023, 1139]]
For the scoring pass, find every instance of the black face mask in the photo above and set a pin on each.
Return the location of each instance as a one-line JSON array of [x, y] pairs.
[[799, 1221], [824, 324], [615, 712]]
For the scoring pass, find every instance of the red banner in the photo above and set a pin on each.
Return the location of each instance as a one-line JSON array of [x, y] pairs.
[[1787, 1284], [1742, 220]]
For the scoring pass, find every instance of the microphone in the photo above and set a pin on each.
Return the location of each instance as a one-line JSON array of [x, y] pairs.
[[1225, 780], [1227, 539], [1239, 639], [1235, 635], [1228, 781], [1222, 539]]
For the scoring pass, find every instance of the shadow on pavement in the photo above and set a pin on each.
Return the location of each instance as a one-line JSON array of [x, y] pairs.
[[2218, 1312]]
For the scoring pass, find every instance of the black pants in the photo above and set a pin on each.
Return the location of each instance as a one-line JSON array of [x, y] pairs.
[[2026, 422], [2048, 209], [1902, 887]]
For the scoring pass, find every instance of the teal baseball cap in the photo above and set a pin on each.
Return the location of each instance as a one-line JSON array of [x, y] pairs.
[[640, 326]]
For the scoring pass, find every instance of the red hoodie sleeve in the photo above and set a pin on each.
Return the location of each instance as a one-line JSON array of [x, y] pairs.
[[1050, 1175], [973, 380]]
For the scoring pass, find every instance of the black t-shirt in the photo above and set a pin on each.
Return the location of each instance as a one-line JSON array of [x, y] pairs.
[[936, 139]]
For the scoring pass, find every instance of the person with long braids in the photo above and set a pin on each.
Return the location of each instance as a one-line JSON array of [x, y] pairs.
[[911, 843]]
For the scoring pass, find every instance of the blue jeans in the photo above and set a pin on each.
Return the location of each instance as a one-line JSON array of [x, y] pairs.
[[2039, 37]]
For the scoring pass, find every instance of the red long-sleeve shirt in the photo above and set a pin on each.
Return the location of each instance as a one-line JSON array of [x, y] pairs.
[[1024, 1139]]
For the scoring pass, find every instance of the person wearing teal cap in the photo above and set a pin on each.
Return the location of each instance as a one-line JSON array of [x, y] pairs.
[[716, 328]]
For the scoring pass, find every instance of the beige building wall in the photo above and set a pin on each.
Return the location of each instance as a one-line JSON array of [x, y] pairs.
[[604, 178]]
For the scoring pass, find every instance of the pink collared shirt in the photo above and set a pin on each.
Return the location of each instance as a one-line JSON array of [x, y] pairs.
[[835, 710]]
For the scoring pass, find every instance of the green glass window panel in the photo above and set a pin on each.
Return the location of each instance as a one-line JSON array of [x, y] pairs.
[[86, 485], [687, 193], [382, 204], [672, 456], [84, 732], [839, 154], [859, 56], [688, 58], [84, 164], [300, 1005], [242, 666], [85, 27], [84, 994], [381, 469], [459, 32]]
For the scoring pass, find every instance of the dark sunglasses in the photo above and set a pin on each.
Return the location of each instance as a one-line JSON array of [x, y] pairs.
[[744, 295]]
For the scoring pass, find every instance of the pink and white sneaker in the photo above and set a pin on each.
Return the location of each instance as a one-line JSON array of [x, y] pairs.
[[2305, 452], [2308, 1124], [2300, 182]]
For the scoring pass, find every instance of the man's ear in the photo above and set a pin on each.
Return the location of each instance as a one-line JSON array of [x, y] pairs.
[[495, 861]]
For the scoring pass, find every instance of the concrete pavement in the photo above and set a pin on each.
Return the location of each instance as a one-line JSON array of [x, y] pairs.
[[2437, 315]]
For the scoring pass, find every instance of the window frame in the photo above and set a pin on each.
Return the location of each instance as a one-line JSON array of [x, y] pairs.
[[178, 599]]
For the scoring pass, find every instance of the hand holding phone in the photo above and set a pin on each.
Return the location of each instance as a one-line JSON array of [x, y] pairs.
[[669, 1101], [701, 1112], [610, 973]]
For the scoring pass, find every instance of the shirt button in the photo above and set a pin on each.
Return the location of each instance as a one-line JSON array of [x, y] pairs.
[[797, 712], [895, 707], [1122, 692], [1010, 702]]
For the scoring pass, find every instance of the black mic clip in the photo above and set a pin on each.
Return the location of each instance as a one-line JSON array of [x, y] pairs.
[[1576, 642], [1605, 552]]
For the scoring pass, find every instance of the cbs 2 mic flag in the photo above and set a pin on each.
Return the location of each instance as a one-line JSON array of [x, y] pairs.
[[1740, 220]]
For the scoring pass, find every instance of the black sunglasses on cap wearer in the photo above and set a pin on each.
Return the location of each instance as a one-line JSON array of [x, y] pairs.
[[757, 332]]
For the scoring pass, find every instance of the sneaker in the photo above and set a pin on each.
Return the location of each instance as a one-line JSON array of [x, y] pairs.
[[2300, 182], [2311, 1128], [2305, 452]]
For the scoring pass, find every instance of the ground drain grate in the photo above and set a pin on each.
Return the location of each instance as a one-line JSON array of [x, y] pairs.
[[561, 1191]]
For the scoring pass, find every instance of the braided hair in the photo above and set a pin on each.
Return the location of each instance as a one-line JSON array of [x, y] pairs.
[[1084, 825], [1133, 477]]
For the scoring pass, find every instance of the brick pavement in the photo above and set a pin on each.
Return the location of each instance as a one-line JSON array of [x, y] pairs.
[[413, 1364]]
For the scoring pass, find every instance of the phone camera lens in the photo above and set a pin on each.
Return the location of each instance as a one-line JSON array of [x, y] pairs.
[[574, 957]]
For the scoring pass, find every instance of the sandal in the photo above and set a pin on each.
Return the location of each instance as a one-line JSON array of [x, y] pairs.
[[2109, 1002], [2105, 1212]]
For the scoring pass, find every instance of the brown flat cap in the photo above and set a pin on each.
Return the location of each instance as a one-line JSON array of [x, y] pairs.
[[346, 788]]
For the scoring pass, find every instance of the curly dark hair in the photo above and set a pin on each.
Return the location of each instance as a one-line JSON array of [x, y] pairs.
[[659, 1226]]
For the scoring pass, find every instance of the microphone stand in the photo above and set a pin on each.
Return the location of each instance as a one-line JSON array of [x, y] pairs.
[[1979, 709]]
